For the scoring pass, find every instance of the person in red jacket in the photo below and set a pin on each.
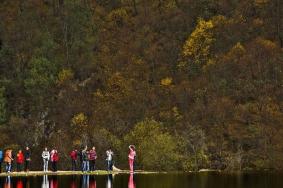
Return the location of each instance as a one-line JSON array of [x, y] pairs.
[[20, 161], [74, 158], [54, 159], [92, 158]]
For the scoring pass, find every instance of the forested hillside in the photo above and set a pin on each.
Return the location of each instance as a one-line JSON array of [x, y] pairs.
[[192, 83]]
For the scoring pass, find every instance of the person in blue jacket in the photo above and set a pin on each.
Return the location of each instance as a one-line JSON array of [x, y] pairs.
[[1, 160]]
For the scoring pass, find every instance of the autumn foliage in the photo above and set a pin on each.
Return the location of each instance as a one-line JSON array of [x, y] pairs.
[[192, 83]]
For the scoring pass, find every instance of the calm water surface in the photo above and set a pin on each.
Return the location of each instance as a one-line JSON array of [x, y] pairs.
[[172, 180]]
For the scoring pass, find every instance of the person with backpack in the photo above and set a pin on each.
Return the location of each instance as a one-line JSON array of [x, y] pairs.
[[109, 159], [27, 155], [74, 158], [8, 160], [54, 159], [20, 161], [46, 157], [1, 160], [131, 156], [92, 158]]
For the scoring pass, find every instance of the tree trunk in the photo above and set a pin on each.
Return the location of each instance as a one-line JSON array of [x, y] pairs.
[[279, 23], [135, 7]]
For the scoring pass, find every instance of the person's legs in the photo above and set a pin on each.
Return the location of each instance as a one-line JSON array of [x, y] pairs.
[[26, 165], [87, 165], [9, 167], [111, 165], [55, 165], [131, 164], [108, 165], [84, 166], [6, 167], [46, 166], [18, 167], [92, 165], [22, 167], [0, 166], [73, 164]]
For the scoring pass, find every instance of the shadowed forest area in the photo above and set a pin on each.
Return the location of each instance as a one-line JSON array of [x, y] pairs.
[[192, 83]]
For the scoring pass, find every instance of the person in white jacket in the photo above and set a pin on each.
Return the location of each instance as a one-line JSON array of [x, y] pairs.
[[45, 156]]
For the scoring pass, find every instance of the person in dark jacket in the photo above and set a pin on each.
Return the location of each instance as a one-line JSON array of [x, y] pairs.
[[109, 159], [85, 160], [1, 160], [27, 155]]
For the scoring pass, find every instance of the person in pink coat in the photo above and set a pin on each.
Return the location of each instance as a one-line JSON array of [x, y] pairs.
[[131, 156]]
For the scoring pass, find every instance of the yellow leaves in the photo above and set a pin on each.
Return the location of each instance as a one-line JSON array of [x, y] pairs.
[[172, 113], [79, 119], [77, 143], [176, 113], [166, 81], [119, 16], [137, 60], [98, 93], [258, 22], [260, 2], [237, 51], [199, 42], [267, 44], [64, 75]]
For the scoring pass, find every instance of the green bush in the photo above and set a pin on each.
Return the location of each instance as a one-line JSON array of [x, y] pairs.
[[156, 148]]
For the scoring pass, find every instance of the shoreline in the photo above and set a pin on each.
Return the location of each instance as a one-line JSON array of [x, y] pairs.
[[69, 173], [104, 172]]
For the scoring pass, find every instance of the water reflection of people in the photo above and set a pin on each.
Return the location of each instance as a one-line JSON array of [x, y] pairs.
[[109, 181], [53, 182], [73, 182], [92, 182], [7, 182], [27, 183], [85, 183], [20, 184], [45, 182], [131, 183]]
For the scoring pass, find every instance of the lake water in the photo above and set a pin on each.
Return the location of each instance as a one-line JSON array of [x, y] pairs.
[[171, 180]]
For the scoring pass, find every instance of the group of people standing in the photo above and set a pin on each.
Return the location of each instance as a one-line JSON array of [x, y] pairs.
[[22, 159], [86, 158], [52, 156]]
